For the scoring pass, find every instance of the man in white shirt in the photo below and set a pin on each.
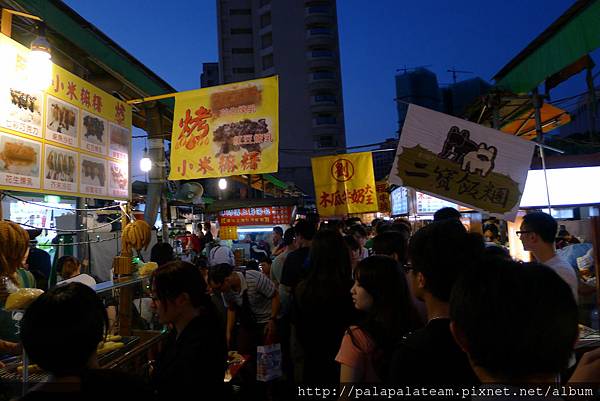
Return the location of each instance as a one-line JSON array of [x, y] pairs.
[[220, 254], [538, 233]]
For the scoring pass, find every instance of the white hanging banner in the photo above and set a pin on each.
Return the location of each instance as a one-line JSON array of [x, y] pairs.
[[462, 162]]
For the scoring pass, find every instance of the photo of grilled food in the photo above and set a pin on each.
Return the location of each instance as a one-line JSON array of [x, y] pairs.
[[119, 139], [93, 173], [118, 176], [60, 166], [62, 118], [24, 107], [19, 157], [234, 136], [250, 95], [94, 129]]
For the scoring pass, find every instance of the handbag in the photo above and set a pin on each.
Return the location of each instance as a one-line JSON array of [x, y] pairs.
[[268, 362]]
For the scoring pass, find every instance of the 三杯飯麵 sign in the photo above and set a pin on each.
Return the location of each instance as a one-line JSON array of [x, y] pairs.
[[462, 162], [344, 184], [226, 130]]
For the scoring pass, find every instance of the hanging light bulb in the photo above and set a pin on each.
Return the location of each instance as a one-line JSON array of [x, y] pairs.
[[145, 162], [222, 184], [39, 65]]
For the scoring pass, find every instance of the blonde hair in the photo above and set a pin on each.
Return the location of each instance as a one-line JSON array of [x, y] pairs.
[[14, 243]]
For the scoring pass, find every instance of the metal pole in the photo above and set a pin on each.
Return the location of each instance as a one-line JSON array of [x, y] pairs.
[[537, 105], [591, 104]]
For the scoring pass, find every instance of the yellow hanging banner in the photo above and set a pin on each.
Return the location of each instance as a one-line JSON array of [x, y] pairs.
[[344, 184], [226, 130]]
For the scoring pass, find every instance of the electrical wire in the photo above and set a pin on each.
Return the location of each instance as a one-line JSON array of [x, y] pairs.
[[61, 208], [80, 243], [68, 231]]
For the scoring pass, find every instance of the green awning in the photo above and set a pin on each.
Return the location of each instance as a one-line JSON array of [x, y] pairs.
[[575, 34], [277, 182]]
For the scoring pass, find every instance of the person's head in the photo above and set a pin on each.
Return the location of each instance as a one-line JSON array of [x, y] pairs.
[[402, 226], [220, 277], [382, 227], [538, 230], [491, 233], [446, 213], [265, 266], [330, 261], [380, 289], [374, 223], [305, 231], [161, 253], [288, 237], [277, 235], [354, 248], [61, 329], [33, 234], [178, 287], [14, 247], [359, 233], [516, 321], [438, 254], [207, 226], [393, 244], [68, 266]]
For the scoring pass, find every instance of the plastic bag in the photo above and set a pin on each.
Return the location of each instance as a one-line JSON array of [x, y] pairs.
[[268, 362]]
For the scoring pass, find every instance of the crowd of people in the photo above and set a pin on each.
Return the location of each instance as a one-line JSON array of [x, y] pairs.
[[347, 304]]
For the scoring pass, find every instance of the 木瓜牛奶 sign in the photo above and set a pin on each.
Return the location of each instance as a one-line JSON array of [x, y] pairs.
[[70, 139], [462, 162], [344, 184]]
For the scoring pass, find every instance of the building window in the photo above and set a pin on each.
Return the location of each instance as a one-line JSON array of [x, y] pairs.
[[243, 70], [267, 61], [265, 20], [319, 31], [266, 40], [318, 9], [325, 98], [323, 75], [321, 53], [242, 50], [325, 119], [241, 31], [240, 11], [326, 141]]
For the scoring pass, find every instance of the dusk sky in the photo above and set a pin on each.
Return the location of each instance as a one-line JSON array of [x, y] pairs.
[[174, 38]]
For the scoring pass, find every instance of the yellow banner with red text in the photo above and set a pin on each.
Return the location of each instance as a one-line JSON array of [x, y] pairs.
[[344, 184]]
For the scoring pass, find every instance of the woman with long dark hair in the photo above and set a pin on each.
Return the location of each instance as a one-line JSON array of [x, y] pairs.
[[381, 291], [323, 306]]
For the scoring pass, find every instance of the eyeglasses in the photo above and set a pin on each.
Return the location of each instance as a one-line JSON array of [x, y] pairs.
[[519, 233]]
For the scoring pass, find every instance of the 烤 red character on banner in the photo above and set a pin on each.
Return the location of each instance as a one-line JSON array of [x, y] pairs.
[[187, 137]]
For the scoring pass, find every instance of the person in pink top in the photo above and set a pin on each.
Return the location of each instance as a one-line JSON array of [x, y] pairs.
[[381, 291]]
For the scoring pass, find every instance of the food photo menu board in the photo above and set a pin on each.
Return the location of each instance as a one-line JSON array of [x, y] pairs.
[[71, 139]]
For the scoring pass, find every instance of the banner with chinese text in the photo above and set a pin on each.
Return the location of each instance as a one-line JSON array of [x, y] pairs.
[[462, 162], [71, 139], [226, 130], [383, 197], [344, 184], [256, 216]]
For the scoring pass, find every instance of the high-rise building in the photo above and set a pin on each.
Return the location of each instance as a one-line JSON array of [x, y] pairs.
[[210, 75], [419, 87], [298, 41]]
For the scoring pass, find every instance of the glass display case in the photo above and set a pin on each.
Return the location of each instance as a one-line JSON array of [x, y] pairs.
[[133, 338]]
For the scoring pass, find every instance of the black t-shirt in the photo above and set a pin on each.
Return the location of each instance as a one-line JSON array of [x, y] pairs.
[[294, 269], [431, 356], [194, 363], [96, 384]]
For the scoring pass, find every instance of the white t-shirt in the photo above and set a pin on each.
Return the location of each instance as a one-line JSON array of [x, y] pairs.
[[80, 278], [220, 254], [564, 270]]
